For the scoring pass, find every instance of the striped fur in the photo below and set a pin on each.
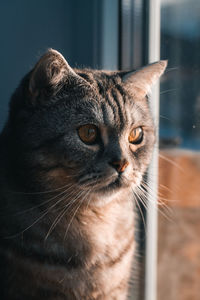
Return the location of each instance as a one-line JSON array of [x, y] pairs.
[[67, 221]]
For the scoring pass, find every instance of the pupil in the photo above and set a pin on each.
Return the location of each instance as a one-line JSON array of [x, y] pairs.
[[91, 133]]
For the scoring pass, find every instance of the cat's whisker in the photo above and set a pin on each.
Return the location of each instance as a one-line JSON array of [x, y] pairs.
[[171, 69], [89, 199], [63, 212], [145, 189], [167, 214], [70, 187], [39, 218], [159, 195], [144, 197], [140, 210], [45, 192], [168, 91], [171, 162], [166, 118], [164, 187], [78, 206], [141, 200]]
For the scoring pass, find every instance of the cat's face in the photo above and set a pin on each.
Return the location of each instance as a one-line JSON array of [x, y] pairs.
[[90, 128]]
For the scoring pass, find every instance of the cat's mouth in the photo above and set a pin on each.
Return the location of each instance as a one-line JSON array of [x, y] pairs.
[[119, 182], [111, 184], [104, 183]]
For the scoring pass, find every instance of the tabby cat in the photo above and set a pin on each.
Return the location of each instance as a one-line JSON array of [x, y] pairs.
[[72, 154]]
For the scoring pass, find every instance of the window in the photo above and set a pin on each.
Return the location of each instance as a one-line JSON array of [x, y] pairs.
[[126, 34], [178, 232]]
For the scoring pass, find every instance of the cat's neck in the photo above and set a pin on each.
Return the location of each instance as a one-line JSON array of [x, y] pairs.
[[107, 222]]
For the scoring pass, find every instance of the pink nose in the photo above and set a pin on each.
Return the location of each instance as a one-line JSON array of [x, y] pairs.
[[120, 165]]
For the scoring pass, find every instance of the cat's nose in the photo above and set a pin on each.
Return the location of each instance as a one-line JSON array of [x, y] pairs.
[[119, 165]]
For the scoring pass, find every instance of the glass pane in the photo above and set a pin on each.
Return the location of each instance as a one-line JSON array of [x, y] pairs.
[[179, 229], [180, 94]]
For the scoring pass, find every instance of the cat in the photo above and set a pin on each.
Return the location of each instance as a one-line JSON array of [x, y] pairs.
[[72, 155]]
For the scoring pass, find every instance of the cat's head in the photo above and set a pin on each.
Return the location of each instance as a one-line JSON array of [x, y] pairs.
[[91, 129]]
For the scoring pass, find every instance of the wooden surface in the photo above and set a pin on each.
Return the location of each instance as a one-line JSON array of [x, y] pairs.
[[179, 229]]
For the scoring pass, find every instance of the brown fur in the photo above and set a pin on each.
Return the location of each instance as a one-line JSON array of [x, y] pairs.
[[67, 227]]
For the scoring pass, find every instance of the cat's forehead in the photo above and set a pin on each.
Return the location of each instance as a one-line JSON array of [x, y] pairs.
[[107, 87], [100, 100], [112, 108]]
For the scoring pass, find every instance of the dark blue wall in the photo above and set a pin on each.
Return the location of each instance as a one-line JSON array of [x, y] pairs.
[[28, 28]]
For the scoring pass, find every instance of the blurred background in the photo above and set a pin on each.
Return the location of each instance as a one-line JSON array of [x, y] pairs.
[[114, 34], [179, 189]]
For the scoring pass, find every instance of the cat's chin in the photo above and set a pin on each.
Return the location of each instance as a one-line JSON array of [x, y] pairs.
[[112, 191], [115, 190], [104, 197]]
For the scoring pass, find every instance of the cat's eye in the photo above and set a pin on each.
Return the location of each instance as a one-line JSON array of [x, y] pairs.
[[88, 134], [136, 136]]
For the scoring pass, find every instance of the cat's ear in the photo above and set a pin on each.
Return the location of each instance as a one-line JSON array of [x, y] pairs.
[[141, 81], [48, 73]]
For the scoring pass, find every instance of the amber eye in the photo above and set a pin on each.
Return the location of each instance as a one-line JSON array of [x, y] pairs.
[[88, 134], [136, 136]]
